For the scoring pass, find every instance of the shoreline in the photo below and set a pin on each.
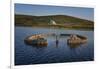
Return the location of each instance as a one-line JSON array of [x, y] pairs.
[[69, 28]]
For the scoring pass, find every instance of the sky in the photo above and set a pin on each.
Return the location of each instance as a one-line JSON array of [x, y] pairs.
[[44, 10]]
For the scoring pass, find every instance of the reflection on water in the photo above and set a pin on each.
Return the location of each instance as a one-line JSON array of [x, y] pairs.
[[35, 45], [71, 45], [57, 49], [57, 43]]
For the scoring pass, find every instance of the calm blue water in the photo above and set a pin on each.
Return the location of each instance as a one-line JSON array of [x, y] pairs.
[[25, 54]]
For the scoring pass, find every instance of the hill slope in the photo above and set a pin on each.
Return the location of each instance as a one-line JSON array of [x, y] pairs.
[[26, 20]]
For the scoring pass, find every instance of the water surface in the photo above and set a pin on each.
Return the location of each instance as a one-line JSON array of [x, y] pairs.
[[53, 53]]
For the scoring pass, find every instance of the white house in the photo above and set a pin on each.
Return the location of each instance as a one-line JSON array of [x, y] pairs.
[[53, 22]]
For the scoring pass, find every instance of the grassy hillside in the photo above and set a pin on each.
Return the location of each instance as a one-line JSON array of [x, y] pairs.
[[66, 21]]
